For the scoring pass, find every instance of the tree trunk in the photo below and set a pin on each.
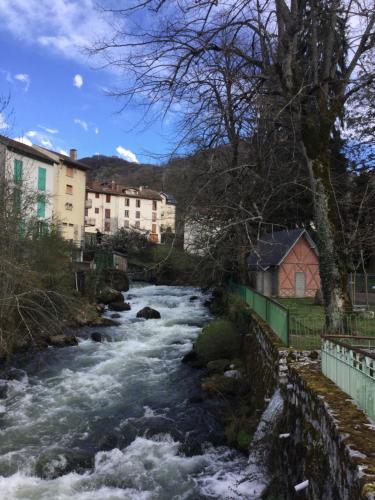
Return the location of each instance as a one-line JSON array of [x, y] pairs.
[[332, 260]]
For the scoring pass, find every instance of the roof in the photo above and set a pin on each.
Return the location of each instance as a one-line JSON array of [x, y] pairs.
[[31, 151], [59, 156], [272, 248], [120, 190], [169, 198]]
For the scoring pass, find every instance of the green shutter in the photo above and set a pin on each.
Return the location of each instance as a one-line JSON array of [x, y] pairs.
[[18, 168], [41, 179], [41, 210]]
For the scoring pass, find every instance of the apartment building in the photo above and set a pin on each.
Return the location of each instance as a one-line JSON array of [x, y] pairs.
[[68, 194], [110, 206], [33, 173]]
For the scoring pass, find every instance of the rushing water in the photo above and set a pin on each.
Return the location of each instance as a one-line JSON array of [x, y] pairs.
[[118, 420]]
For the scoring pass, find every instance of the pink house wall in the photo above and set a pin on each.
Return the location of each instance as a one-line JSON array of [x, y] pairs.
[[301, 258]]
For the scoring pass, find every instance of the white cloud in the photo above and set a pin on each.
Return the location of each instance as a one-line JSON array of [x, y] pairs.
[[63, 152], [23, 78], [24, 140], [3, 122], [78, 81], [96, 130], [49, 130], [31, 133], [63, 26], [46, 142], [82, 123], [126, 154]]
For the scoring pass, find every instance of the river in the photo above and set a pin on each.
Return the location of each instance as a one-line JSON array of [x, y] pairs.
[[118, 420]]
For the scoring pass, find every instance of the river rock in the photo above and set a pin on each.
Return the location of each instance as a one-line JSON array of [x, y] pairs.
[[100, 337], [15, 374], [193, 298], [3, 390], [107, 295], [192, 359], [148, 313], [232, 374], [119, 306], [57, 462], [62, 340], [219, 384], [115, 316]]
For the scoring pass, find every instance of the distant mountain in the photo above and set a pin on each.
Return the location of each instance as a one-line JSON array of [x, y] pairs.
[[108, 168]]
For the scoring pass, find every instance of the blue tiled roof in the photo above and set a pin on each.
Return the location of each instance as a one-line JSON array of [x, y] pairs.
[[273, 247], [170, 198]]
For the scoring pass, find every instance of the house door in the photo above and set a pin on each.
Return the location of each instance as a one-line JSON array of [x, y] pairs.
[[300, 284], [267, 284]]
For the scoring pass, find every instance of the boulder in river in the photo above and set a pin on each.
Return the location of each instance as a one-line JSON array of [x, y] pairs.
[[193, 298], [119, 306], [62, 340], [148, 313], [100, 337], [58, 462], [115, 315], [107, 295]]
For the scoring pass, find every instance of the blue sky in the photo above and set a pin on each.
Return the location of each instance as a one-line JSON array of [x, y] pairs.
[[57, 98]]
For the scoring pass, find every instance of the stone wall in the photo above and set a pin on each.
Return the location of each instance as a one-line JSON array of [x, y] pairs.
[[325, 438]]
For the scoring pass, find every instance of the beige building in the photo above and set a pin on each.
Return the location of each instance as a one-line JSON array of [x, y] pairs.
[[68, 194], [110, 206]]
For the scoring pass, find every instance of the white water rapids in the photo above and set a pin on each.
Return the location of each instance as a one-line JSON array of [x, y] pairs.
[[114, 420]]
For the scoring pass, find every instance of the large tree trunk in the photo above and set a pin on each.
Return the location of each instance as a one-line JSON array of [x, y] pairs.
[[332, 257]]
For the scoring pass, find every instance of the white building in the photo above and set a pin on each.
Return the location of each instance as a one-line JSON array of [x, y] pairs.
[[33, 172], [110, 206]]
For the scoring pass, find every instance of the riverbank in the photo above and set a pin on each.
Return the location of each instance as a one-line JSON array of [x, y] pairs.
[[118, 419]]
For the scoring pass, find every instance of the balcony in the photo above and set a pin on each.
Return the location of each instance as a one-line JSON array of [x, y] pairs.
[[90, 221], [88, 203]]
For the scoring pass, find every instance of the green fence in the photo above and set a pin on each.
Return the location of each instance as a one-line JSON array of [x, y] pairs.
[[270, 311], [350, 363]]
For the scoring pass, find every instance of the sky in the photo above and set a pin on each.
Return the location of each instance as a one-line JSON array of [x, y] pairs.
[[58, 95]]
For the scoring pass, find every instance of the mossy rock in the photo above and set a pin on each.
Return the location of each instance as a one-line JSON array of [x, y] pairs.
[[217, 385], [218, 365], [218, 340], [107, 295]]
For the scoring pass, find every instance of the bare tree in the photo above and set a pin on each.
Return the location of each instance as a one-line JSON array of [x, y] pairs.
[[304, 59]]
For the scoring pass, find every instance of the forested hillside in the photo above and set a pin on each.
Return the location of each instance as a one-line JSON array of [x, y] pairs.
[[132, 174]]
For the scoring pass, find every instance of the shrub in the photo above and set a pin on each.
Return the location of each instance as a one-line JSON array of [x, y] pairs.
[[219, 339]]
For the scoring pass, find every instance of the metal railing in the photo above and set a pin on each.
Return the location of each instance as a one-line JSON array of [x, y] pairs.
[[276, 315], [350, 363]]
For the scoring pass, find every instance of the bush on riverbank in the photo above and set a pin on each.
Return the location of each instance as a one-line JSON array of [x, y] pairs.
[[219, 339]]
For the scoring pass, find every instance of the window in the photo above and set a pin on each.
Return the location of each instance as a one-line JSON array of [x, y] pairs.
[[107, 213], [126, 213], [137, 224], [69, 189], [97, 195], [107, 227], [96, 210], [86, 212], [137, 215], [108, 198], [126, 223], [153, 216], [154, 205], [41, 206], [153, 230], [41, 179], [69, 206], [127, 202], [69, 171], [18, 168], [138, 203]]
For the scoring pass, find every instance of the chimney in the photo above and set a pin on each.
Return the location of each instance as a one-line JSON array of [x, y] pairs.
[[73, 154]]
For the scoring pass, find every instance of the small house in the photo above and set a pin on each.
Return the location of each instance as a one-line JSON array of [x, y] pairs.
[[285, 264]]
